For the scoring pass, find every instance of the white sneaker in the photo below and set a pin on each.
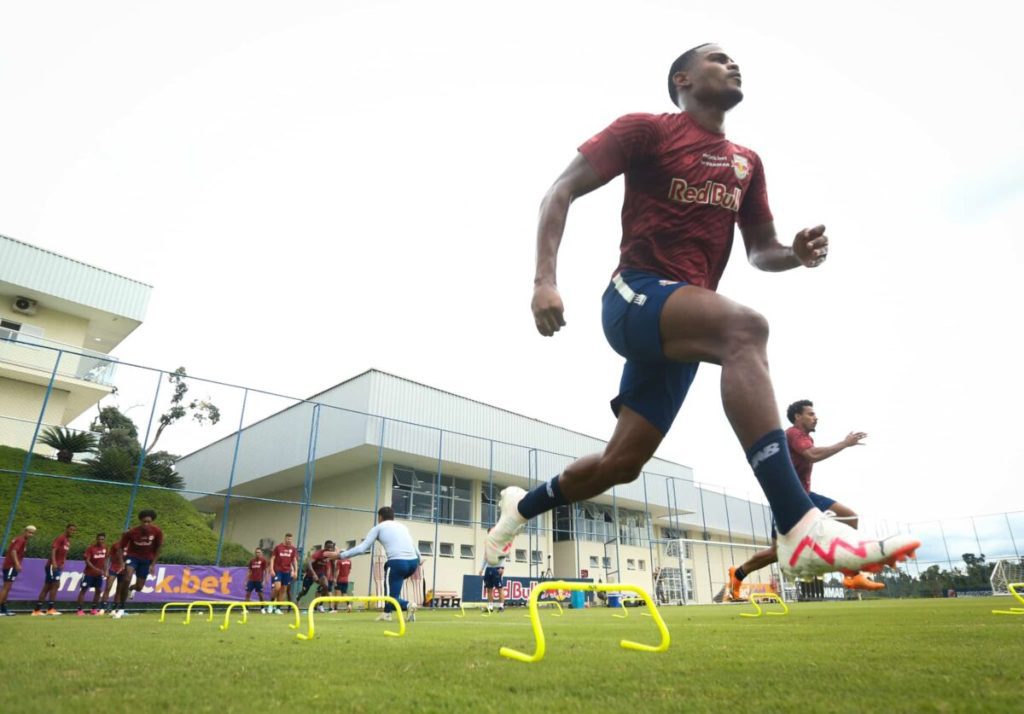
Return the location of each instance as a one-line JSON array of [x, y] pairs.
[[117, 614], [827, 545], [509, 525], [384, 616], [410, 615]]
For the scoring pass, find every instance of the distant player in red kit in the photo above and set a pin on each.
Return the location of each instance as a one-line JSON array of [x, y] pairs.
[[283, 569], [686, 188], [95, 570], [258, 568], [13, 556], [54, 567], [342, 569], [115, 566], [142, 546]]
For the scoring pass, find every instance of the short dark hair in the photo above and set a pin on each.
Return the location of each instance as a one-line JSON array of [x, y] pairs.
[[101, 535], [387, 513], [681, 64], [148, 512], [796, 408], [328, 542], [287, 535], [70, 525]]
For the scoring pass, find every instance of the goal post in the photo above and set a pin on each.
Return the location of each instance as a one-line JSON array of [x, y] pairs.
[[1006, 572]]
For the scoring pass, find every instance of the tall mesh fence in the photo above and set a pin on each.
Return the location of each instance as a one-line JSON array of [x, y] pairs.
[[229, 468]]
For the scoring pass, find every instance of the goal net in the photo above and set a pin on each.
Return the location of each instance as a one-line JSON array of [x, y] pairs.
[[1004, 574]]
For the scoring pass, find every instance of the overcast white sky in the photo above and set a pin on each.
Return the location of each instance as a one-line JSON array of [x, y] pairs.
[[317, 188]]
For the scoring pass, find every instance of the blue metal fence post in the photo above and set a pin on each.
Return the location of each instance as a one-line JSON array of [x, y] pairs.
[[31, 448], [1009, 528], [142, 455], [231, 478], [436, 510], [650, 533], [307, 484], [376, 501]]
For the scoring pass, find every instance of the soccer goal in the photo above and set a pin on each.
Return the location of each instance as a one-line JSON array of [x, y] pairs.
[[1005, 573]]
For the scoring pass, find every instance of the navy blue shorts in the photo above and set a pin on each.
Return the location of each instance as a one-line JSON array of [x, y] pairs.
[[52, 574], [283, 578], [141, 568], [651, 385], [92, 581], [10, 575], [254, 586], [307, 582], [822, 503], [493, 578], [341, 588]]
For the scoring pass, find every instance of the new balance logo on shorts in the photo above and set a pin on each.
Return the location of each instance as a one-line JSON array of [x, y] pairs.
[[763, 455]]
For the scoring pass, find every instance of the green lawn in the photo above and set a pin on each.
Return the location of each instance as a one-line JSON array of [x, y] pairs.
[[50, 503], [898, 655]]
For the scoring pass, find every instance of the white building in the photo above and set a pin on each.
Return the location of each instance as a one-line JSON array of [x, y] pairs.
[[56, 311], [441, 460]]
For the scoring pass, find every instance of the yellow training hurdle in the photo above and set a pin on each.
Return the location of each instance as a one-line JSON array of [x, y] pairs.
[[557, 604], [206, 603], [481, 606], [1020, 599], [765, 597], [163, 610], [353, 598], [245, 605], [538, 631]]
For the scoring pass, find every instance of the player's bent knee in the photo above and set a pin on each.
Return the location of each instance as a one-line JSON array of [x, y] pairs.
[[748, 327]]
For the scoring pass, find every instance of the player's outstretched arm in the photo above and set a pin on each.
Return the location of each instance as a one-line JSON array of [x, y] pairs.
[[578, 179], [809, 249], [820, 453]]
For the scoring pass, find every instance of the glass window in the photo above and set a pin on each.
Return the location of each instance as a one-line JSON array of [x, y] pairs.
[[641, 564], [447, 550], [630, 564], [425, 496], [536, 556], [350, 544], [426, 547], [520, 555], [466, 551], [594, 562], [606, 561]]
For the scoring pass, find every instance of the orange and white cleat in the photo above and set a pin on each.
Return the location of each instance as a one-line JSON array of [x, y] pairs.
[[819, 544], [860, 581]]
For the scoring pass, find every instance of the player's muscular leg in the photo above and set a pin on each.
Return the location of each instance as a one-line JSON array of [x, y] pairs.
[[848, 515], [632, 445], [701, 325]]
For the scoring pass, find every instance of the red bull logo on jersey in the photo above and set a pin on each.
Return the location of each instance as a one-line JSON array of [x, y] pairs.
[[711, 193], [741, 165]]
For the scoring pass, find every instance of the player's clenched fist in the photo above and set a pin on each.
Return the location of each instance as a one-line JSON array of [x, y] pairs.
[[547, 309]]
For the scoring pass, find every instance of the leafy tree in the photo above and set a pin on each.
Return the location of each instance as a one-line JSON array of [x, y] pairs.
[[112, 464], [159, 468], [202, 411], [68, 442]]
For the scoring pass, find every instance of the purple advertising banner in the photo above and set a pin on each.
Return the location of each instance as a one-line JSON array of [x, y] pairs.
[[166, 582]]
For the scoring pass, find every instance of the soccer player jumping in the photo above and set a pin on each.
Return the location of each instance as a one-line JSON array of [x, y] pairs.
[[686, 188]]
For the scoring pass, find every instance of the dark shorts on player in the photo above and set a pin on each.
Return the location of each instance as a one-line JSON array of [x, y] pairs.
[[493, 578], [822, 503], [342, 588], [284, 578], [254, 586], [92, 581], [651, 385], [52, 574], [140, 566], [10, 574]]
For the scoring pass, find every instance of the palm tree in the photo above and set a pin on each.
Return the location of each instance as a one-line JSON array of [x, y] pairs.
[[68, 442]]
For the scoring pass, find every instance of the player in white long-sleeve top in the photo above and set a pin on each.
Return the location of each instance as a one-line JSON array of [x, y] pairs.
[[403, 557]]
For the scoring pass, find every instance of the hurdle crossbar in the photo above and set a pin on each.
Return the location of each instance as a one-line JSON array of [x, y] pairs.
[[245, 612], [756, 599], [538, 631], [311, 610]]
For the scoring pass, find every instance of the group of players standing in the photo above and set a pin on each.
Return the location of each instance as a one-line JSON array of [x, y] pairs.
[[108, 570], [323, 568]]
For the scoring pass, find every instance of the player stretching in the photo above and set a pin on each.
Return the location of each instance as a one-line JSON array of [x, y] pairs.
[[13, 556], [54, 566], [403, 557], [142, 546], [284, 569], [258, 568], [95, 570], [805, 454], [686, 187]]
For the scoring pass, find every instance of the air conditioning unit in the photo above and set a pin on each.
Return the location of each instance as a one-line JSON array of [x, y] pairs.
[[24, 305]]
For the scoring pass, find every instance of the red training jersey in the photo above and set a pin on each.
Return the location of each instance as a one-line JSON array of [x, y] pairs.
[[59, 551], [17, 547], [283, 555], [341, 570], [116, 560], [95, 556], [257, 569], [318, 562], [686, 187], [800, 441], [142, 544]]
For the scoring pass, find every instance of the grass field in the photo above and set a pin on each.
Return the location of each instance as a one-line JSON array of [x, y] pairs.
[[902, 655]]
